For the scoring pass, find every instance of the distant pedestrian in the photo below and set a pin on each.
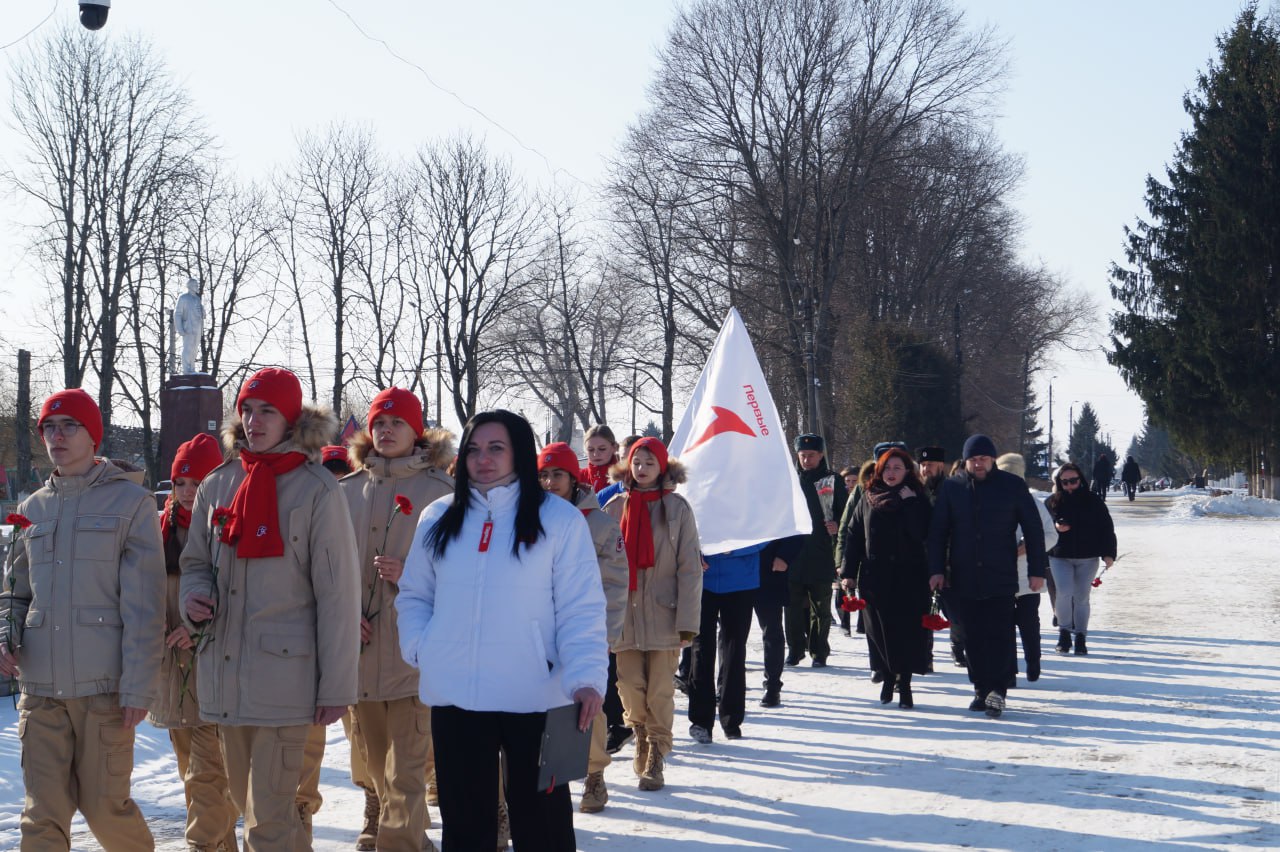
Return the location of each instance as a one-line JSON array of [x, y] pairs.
[[1130, 475], [602, 454], [1104, 470]]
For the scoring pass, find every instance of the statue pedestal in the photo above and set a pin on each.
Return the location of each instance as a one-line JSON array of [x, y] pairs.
[[189, 404]]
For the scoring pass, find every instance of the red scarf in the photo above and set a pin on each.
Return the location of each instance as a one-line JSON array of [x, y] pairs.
[[166, 519], [637, 531], [596, 475], [254, 509]]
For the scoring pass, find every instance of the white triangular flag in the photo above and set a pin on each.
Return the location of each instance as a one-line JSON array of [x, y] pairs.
[[742, 485]]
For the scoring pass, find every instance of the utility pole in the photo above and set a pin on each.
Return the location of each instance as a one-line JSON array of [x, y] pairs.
[[635, 390], [1048, 459], [1026, 402], [22, 422]]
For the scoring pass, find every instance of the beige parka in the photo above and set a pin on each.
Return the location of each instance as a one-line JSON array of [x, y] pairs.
[[371, 494], [84, 597], [667, 600], [285, 635], [612, 556]]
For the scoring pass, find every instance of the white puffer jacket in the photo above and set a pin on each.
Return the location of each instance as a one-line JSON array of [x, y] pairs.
[[490, 632]]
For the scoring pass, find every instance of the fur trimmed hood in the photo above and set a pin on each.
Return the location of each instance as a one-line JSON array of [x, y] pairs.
[[314, 429], [676, 473], [435, 445]]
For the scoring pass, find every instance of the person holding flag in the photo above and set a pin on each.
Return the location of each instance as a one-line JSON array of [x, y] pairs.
[[733, 443]]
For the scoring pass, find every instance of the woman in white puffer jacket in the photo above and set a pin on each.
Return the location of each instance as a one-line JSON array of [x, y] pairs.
[[501, 610]]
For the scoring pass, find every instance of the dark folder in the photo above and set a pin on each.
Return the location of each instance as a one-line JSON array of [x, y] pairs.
[[563, 757]]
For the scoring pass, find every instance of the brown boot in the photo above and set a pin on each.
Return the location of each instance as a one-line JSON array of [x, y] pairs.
[[304, 815], [504, 827], [594, 794], [368, 839], [641, 759], [433, 792], [652, 777]]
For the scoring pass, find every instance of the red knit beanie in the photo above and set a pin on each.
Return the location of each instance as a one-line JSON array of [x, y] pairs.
[[397, 402], [654, 446], [559, 455], [277, 387], [77, 405], [335, 452], [196, 458]]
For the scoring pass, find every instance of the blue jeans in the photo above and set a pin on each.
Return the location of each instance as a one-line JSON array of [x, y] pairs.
[[1074, 579]]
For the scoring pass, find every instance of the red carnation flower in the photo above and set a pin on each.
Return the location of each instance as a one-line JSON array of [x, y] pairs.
[[852, 603], [19, 521], [1097, 582], [403, 504], [222, 516], [934, 621]]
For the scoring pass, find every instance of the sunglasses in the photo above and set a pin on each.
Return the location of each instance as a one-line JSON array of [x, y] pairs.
[[1072, 481]]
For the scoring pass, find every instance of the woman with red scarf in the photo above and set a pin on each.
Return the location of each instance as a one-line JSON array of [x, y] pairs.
[[211, 818], [885, 560], [270, 579], [602, 454], [664, 598]]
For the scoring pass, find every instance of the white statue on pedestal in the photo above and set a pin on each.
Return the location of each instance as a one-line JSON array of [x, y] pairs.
[[188, 322]]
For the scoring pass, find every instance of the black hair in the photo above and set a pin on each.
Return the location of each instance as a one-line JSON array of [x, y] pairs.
[[525, 454]]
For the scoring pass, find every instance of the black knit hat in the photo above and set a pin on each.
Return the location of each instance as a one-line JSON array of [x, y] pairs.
[[935, 454], [979, 445], [810, 441]]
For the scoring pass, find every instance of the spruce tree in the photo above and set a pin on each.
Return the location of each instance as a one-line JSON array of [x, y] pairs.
[[1199, 339]]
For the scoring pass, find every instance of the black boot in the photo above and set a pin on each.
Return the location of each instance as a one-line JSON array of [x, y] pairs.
[[979, 702], [958, 656], [886, 689], [1064, 642], [1081, 650], [772, 696], [904, 692]]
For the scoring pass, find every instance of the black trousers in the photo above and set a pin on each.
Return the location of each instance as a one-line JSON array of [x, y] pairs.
[[808, 619], [727, 689], [612, 702], [769, 616], [989, 640], [467, 745], [1027, 617]]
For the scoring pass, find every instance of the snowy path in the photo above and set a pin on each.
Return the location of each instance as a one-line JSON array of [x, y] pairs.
[[1166, 736]]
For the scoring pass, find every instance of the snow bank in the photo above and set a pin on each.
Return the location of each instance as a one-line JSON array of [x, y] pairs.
[[1195, 505]]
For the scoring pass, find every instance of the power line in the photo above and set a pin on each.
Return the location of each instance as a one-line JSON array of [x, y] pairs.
[[553, 169], [24, 36]]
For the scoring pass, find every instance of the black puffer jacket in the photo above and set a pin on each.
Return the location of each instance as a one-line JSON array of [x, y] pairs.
[[1092, 533], [973, 534]]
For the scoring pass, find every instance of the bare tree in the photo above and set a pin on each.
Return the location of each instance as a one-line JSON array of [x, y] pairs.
[[475, 231], [327, 199], [112, 137]]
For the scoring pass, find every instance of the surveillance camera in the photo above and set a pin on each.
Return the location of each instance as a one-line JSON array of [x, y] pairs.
[[93, 13]]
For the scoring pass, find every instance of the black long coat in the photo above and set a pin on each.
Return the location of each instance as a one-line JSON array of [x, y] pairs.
[[886, 555]]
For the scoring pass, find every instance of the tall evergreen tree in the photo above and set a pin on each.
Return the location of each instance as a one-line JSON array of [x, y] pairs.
[[1199, 339], [1086, 440]]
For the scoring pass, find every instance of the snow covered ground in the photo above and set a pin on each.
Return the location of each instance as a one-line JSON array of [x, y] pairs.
[[1165, 736]]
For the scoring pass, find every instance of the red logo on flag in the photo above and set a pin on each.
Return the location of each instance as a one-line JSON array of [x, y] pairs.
[[725, 421]]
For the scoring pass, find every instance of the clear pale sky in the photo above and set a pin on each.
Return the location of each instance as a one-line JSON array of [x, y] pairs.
[[1093, 104]]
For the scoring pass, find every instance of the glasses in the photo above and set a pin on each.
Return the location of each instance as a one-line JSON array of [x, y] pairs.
[[1075, 480], [67, 429]]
